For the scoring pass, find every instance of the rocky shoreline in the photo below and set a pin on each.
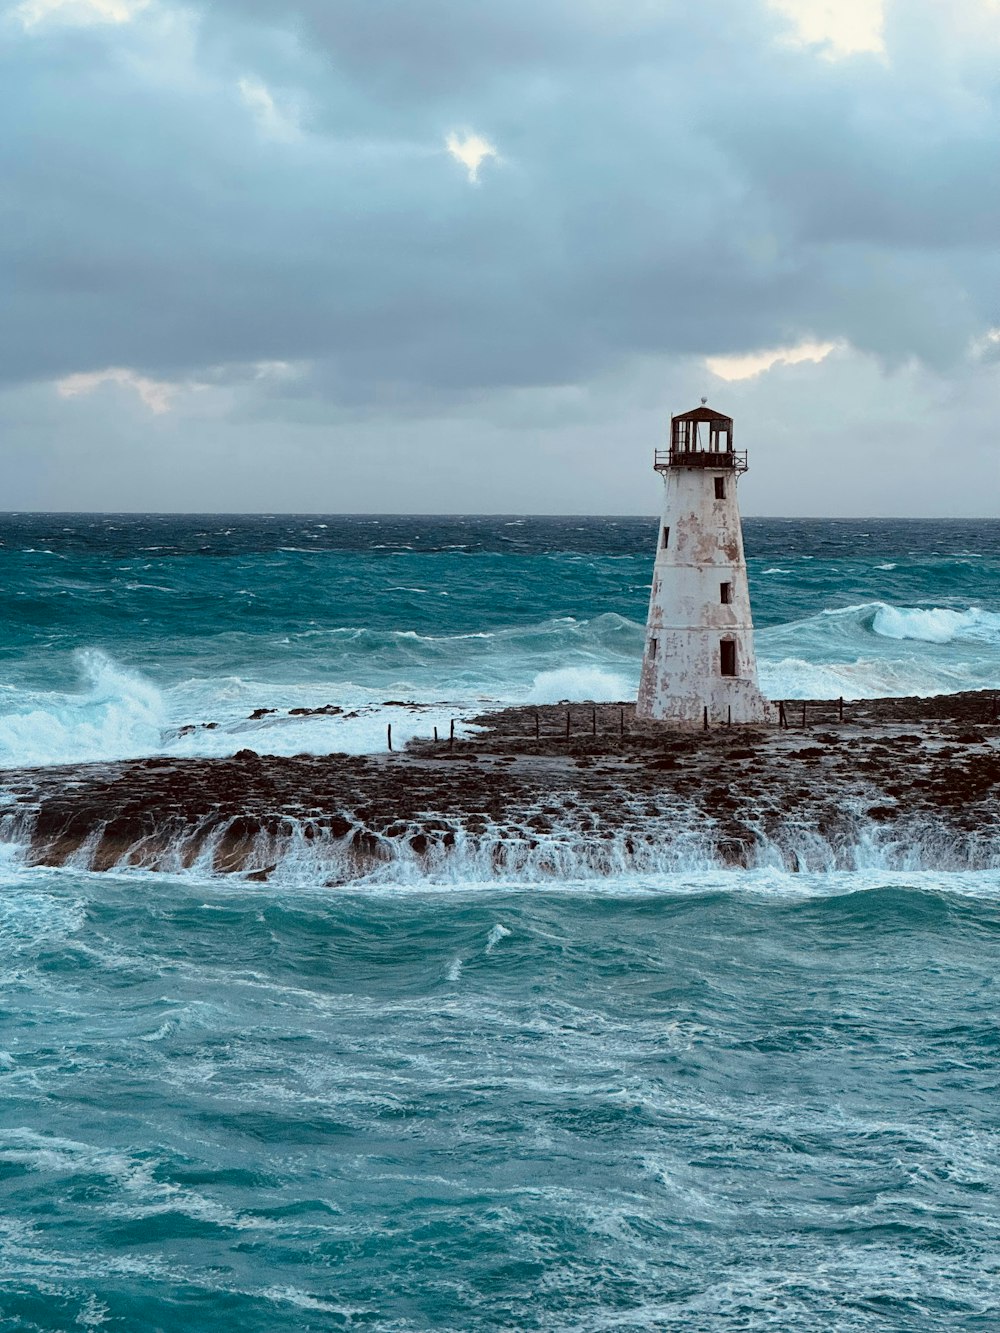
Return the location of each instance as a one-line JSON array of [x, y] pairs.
[[563, 790]]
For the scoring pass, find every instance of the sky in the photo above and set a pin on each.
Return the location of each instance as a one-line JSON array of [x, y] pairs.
[[468, 255]]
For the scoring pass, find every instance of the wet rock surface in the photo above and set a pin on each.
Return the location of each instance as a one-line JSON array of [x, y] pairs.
[[529, 792]]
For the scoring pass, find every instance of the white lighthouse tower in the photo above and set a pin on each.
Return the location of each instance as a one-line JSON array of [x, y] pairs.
[[699, 665]]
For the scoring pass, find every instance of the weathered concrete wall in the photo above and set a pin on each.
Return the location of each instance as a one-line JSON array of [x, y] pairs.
[[688, 620]]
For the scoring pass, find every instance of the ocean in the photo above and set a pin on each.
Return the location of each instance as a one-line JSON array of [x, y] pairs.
[[701, 1099]]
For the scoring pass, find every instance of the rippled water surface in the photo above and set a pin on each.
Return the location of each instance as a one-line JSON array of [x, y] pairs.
[[720, 1104], [703, 1101]]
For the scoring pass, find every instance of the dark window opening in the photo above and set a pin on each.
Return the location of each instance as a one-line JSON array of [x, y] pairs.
[[652, 647], [666, 537], [720, 488], [725, 593], [727, 657]]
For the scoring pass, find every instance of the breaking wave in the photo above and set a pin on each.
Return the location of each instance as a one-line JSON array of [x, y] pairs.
[[937, 625], [574, 684], [117, 714], [875, 650]]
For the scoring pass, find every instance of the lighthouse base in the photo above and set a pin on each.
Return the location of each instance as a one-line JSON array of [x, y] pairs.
[[737, 703]]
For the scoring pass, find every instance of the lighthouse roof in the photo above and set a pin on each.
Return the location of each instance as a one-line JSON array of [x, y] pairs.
[[702, 413]]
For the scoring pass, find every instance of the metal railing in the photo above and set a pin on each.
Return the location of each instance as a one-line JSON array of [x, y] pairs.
[[665, 458]]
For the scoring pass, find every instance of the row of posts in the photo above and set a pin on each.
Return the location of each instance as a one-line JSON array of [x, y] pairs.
[[783, 713], [451, 734], [783, 720], [538, 727]]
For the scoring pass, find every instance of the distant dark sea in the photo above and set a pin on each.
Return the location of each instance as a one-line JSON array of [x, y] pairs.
[[703, 1099]]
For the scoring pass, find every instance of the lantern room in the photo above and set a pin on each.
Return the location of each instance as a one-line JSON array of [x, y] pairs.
[[701, 438]]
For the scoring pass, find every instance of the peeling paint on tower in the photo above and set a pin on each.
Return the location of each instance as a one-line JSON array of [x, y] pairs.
[[699, 662]]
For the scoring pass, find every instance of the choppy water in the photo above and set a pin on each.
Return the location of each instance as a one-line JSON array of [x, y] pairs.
[[121, 630], [696, 1100]]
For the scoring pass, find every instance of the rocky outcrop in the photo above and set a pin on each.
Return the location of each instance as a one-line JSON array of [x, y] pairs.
[[917, 780]]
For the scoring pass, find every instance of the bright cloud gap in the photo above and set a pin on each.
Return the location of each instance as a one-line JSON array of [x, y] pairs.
[[157, 395], [842, 27], [471, 150], [747, 365], [79, 12]]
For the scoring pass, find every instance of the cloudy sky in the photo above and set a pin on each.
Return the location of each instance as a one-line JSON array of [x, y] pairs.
[[468, 255]]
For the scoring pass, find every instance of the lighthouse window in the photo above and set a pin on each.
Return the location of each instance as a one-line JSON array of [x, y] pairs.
[[652, 647], [725, 593], [666, 537], [727, 657], [720, 488]]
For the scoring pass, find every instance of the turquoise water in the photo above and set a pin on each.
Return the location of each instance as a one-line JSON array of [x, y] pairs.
[[119, 631], [709, 1100]]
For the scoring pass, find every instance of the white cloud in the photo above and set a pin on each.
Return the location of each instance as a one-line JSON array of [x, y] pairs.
[[844, 27], [471, 151], [749, 364], [987, 347], [272, 121], [33, 12], [157, 395]]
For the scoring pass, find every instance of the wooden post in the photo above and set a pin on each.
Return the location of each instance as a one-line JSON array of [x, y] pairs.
[[538, 727], [435, 733], [451, 733], [704, 720], [621, 720], [593, 722], [841, 708], [803, 712], [729, 716], [567, 724], [388, 735]]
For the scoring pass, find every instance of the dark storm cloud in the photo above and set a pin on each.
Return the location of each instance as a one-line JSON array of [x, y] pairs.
[[673, 181]]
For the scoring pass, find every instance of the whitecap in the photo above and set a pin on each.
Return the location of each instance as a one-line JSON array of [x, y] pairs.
[[498, 933]]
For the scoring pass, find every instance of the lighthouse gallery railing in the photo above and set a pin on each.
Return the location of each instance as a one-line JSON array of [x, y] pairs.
[[665, 458]]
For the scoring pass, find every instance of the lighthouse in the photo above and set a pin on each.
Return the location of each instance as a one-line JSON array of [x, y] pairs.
[[699, 665]]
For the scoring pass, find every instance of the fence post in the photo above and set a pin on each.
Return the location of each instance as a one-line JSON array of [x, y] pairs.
[[451, 733], [803, 712], [593, 721], [567, 724], [538, 728], [388, 735], [621, 719], [704, 720], [841, 708], [435, 733]]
